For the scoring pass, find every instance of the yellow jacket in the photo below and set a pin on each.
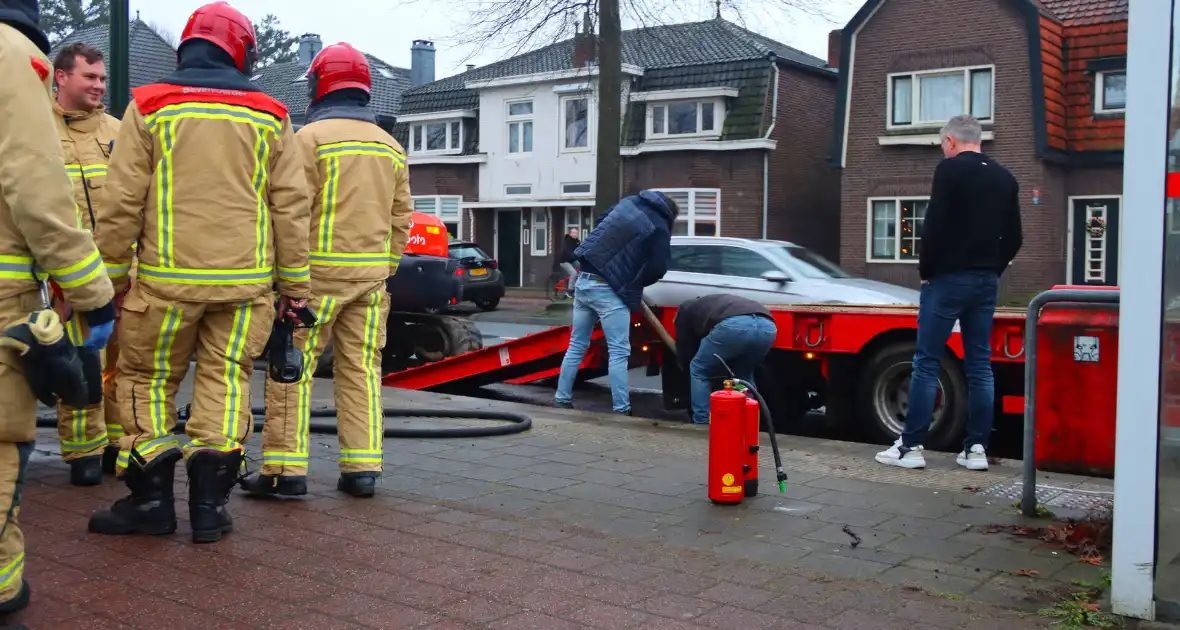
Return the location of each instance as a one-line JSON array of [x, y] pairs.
[[86, 140], [361, 203], [209, 182], [38, 223]]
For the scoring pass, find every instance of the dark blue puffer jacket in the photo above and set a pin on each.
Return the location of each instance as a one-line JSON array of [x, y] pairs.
[[630, 247], [24, 17]]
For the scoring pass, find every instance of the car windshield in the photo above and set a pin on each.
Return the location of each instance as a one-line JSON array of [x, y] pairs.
[[462, 250], [810, 264]]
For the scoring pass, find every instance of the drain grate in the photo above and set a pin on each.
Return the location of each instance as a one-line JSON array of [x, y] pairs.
[[1089, 499]]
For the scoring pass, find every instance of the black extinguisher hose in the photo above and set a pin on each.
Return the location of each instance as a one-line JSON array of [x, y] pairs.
[[764, 411]]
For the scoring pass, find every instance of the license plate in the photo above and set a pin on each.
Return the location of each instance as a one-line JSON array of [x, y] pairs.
[[479, 272]]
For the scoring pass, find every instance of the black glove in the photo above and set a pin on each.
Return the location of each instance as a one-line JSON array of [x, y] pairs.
[[51, 363]]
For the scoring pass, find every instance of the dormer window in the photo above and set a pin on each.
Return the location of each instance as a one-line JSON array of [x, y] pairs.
[[690, 113], [441, 137]]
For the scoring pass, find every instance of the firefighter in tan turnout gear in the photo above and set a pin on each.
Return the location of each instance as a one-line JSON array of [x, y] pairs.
[[208, 178], [89, 435], [360, 225], [38, 227]]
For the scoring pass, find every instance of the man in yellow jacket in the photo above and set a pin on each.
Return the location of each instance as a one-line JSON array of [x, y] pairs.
[[37, 227], [360, 225], [89, 435], [207, 176]]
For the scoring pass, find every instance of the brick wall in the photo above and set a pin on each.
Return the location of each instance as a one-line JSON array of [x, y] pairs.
[[449, 179], [1086, 43], [737, 173], [804, 190], [906, 35]]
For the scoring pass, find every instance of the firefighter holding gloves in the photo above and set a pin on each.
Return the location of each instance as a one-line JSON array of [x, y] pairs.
[[208, 178], [90, 434], [38, 228], [360, 225]]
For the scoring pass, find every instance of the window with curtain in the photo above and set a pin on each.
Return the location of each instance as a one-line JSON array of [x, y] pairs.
[[932, 98], [700, 211]]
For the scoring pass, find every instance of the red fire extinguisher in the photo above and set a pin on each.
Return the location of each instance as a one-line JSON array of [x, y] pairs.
[[727, 445], [750, 446]]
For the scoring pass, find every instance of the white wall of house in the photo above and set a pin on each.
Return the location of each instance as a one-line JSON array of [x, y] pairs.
[[535, 151]]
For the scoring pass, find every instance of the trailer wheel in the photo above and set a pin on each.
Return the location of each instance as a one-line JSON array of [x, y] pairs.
[[883, 398]]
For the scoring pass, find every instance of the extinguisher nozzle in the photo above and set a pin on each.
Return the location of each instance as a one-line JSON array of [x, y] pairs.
[[782, 487]]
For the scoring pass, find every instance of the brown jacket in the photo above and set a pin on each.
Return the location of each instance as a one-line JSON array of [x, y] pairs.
[[37, 217], [209, 182], [361, 203], [87, 139]]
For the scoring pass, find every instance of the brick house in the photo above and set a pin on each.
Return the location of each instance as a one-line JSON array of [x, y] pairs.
[[1046, 77], [731, 124]]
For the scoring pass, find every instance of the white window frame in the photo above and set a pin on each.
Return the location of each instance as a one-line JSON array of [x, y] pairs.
[[564, 126], [520, 121], [543, 250], [1100, 93], [436, 208], [718, 119], [916, 95], [417, 140], [896, 259], [589, 192], [688, 211]]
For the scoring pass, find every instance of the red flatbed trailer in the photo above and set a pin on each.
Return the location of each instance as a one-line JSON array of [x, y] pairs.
[[852, 360]]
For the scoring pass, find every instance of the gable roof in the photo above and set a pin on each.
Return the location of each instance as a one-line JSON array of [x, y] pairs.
[[670, 46], [281, 81], [150, 57], [1065, 12]]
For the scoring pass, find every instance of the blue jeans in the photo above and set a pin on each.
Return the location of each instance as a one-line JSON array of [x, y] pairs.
[[742, 341], [970, 298], [594, 300]]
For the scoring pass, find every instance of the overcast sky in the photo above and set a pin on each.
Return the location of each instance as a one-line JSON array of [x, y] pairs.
[[386, 28]]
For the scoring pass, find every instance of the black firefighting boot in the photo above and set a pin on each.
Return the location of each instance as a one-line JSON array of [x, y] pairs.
[[149, 509], [269, 485], [110, 459], [358, 484], [86, 471], [212, 476], [16, 604]]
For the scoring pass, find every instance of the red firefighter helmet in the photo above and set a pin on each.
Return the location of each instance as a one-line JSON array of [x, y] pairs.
[[338, 67], [228, 28]]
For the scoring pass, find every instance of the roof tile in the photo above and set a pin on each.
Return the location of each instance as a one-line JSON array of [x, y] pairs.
[[1075, 12]]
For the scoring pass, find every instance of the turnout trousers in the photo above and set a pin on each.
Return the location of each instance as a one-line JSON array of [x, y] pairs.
[[18, 430], [353, 316], [86, 431], [158, 338]]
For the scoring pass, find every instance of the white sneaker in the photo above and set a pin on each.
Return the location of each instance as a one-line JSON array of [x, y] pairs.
[[975, 459], [902, 457]]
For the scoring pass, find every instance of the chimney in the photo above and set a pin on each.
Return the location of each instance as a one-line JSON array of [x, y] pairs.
[[835, 41], [470, 67], [585, 44], [310, 45], [421, 62]]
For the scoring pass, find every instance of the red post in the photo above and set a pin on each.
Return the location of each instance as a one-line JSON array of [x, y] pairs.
[[750, 446], [727, 441]]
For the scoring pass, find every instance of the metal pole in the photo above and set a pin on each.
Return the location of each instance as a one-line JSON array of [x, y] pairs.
[[1028, 499], [120, 88]]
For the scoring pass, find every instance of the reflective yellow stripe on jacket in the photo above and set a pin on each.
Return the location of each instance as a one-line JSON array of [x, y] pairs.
[[16, 268], [163, 122], [332, 153], [89, 170]]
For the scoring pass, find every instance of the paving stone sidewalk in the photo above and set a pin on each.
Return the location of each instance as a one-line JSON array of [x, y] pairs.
[[583, 522]]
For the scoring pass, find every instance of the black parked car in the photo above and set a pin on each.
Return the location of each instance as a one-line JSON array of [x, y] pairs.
[[479, 274]]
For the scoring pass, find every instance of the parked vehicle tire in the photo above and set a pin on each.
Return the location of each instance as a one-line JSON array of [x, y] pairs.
[[488, 305], [883, 397]]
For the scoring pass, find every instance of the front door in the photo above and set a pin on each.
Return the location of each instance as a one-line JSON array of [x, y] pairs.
[[1095, 244], [508, 226]]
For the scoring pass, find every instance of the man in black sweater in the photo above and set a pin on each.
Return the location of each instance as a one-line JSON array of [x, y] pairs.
[[737, 330], [970, 233]]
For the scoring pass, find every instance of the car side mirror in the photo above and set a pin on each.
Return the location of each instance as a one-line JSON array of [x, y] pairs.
[[775, 276]]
